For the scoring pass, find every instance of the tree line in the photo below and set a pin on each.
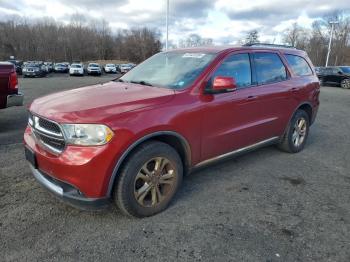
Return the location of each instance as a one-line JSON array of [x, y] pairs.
[[80, 40], [315, 40]]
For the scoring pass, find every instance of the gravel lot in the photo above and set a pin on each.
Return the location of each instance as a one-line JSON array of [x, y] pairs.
[[263, 206]]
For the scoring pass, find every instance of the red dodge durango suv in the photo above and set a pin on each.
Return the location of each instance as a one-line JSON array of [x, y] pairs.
[[132, 139]]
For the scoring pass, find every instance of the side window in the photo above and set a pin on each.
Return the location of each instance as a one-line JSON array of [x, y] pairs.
[[269, 68], [299, 66], [238, 67], [329, 71]]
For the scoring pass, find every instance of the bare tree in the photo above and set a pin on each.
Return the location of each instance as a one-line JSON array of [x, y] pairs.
[[252, 37], [194, 40], [315, 41], [81, 39]]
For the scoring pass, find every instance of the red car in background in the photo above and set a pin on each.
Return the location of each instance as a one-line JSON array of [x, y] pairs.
[[131, 140], [9, 94]]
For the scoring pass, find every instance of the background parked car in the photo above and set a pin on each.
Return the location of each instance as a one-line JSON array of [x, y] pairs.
[[67, 64], [76, 69], [61, 68], [18, 65], [34, 69], [94, 69], [125, 68], [110, 68], [336, 75], [49, 66]]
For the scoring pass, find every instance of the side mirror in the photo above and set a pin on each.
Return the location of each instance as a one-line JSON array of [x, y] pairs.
[[222, 84], [340, 72]]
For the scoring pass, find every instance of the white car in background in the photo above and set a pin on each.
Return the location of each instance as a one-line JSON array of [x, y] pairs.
[[76, 70], [94, 69], [125, 68], [110, 68]]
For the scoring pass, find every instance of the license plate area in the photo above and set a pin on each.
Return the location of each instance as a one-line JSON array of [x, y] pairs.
[[30, 157]]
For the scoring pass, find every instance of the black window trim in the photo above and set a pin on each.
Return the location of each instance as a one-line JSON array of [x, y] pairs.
[[295, 75], [288, 75]]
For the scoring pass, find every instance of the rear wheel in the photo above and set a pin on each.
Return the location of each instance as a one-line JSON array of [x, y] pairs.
[[295, 137], [345, 84], [148, 180]]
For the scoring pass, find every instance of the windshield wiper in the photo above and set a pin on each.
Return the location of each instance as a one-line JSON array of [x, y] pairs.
[[141, 83]]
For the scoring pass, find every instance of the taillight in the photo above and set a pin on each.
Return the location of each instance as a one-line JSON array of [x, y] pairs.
[[13, 85]]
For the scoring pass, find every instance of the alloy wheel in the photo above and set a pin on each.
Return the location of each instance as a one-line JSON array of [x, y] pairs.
[[155, 182], [345, 84], [299, 132]]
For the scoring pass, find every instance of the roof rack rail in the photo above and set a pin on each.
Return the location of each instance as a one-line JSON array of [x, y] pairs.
[[269, 45]]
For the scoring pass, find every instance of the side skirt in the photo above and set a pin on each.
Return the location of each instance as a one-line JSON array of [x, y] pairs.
[[237, 152]]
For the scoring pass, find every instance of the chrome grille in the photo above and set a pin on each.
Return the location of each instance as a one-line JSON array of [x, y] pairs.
[[47, 133], [48, 125]]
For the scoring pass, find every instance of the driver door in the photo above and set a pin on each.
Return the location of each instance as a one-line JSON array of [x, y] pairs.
[[230, 119]]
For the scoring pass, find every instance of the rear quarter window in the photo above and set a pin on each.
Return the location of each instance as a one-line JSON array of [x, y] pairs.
[[299, 65]]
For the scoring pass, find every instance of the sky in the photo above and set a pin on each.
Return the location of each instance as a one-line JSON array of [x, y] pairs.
[[225, 21]]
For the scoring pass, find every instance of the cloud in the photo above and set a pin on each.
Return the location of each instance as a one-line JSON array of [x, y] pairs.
[[225, 21]]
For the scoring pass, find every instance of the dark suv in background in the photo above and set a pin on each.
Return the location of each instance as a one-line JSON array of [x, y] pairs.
[[335, 75]]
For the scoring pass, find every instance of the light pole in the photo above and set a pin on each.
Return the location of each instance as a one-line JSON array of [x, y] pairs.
[[167, 25], [332, 23]]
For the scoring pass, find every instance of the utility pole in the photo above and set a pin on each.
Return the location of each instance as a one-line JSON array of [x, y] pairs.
[[167, 25], [332, 23]]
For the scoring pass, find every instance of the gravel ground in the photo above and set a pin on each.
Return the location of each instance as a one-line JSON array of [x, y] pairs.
[[263, 206]]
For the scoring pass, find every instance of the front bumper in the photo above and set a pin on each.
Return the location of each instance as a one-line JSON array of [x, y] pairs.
[[76, 73], [68, 193], [32, 73], [94, 72], [87, 169], [14, 100]]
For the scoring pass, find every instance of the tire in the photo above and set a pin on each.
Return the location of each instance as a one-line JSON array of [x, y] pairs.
[[138, 198], [293, 141], [345, 83]]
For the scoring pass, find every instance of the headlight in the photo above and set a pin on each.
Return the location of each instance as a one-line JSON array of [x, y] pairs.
[[87, 134]]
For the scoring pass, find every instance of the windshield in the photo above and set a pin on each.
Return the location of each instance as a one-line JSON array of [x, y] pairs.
[[175, 70], [110, 65], [32, 65], [75, 66], [93, 65], [345, 69]]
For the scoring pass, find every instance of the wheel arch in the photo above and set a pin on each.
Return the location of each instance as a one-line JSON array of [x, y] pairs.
[[307, 107], [174, 139]]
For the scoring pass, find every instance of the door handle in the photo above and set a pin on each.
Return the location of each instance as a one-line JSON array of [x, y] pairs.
[[251, 98]]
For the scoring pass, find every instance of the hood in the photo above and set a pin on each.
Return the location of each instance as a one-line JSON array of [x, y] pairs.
[[95, 103]]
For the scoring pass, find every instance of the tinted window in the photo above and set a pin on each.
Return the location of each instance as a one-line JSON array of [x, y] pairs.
[[238, 67], [269, 68], [299, 66], [345, 69]]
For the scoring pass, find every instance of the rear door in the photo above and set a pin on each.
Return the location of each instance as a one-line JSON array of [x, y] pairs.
[[333, 75], [275, 89]]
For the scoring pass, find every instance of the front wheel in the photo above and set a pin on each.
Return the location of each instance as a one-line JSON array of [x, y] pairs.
[[297, 132], [149, 180], [345, 84]]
